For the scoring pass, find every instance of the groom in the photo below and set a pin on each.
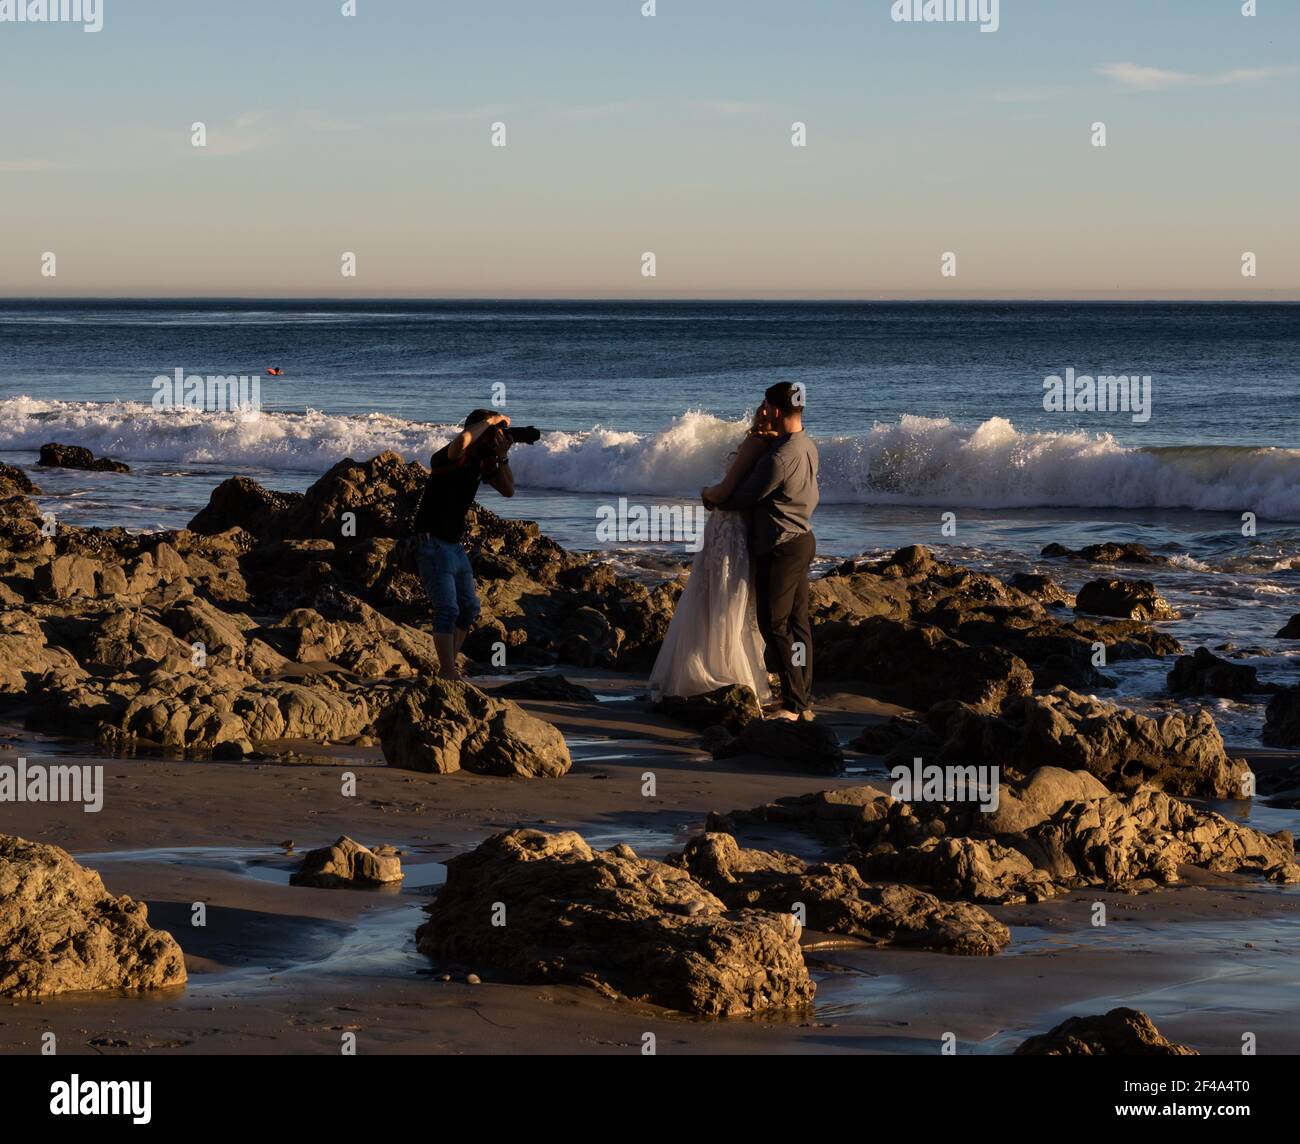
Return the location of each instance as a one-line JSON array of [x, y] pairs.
[[781, 492]]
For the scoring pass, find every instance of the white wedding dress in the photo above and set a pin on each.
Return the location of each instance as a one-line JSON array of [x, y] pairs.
[[713, 640]]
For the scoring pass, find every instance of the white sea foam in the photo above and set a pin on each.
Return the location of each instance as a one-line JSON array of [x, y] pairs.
[[916, 460]]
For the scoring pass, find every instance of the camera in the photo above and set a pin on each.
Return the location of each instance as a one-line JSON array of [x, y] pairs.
[[523, 434]]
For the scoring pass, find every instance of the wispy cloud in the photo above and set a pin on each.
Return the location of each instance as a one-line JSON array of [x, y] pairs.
[[1136, 77]]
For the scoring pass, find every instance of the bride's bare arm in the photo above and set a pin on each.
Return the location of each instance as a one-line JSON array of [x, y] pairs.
[[747, 456]]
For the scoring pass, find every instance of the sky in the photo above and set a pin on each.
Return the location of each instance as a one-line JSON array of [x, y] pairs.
[[668, 134]]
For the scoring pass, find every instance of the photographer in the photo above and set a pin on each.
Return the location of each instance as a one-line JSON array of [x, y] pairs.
[[478, 454]]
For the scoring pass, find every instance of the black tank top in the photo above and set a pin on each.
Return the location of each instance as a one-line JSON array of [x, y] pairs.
[[447, 498]]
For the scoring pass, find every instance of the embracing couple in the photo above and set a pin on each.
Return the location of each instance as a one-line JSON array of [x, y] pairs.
[[747, 597]]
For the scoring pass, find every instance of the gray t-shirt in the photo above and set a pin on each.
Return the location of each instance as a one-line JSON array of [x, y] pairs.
[[781, 489]]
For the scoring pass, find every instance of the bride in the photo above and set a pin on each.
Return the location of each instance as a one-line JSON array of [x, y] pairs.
[[713, 640]]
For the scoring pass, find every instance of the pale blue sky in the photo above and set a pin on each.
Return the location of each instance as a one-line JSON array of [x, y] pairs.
[[668, 134]]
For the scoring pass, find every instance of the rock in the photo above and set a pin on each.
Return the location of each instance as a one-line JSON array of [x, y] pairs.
[[732, 707], [1107, 553], [1128, 599], [442, 726], [1072, 672], [836, 899], [15, 482], [1041, 588], [77, 457], [1204, 673], [1282, 718], [803, 744], [348, 864], [917, 665], [61, 931], [1291, 629], [1119, 1033], [551, 686], [1058, 832], [1179, 753], [625, 926]]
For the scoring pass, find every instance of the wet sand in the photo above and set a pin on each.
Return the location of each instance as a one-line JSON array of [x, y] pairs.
[[290, 969]]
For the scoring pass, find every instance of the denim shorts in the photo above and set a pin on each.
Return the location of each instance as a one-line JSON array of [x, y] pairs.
[[449, 581]]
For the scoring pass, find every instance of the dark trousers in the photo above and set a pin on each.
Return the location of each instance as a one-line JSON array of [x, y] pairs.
[[781, 587]]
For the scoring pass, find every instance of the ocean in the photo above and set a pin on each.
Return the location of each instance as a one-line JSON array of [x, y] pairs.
[[919, 410]]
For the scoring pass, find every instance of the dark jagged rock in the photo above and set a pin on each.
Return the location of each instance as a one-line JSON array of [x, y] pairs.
[[1106, 553], [732, 707], [1291, 629], [625, 926], [1041, 588], [917, 665], [1128, 599], [550, 686], [56, 456], [1119, 1033], [1204, 673], [1282, 718], [1070, 671], [802, 745]]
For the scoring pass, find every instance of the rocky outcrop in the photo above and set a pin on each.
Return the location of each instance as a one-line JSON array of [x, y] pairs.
[[1119, 1033], [1106, 553], [1128, 599], [917, 631], [1204, 673], [77, 457], [623, 925], [803, 745], [834, 898], [443, 726], [347, 864], [1052, 832], [1179, 753], [1291, 629], [732, 707], [61, 931]]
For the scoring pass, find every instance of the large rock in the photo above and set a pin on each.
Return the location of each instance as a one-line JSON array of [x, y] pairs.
[[835, 899], [1128, 599], [1204, 673], [346, 863], [732, 707], [917, 665], [1119, 1033], [626, 926], [61, 931], [442, 726], [804, 744], [78, 457], [1179, 753], [1282, 718]]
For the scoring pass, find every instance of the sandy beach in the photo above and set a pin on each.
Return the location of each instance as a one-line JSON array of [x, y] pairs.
[[289, 969]]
